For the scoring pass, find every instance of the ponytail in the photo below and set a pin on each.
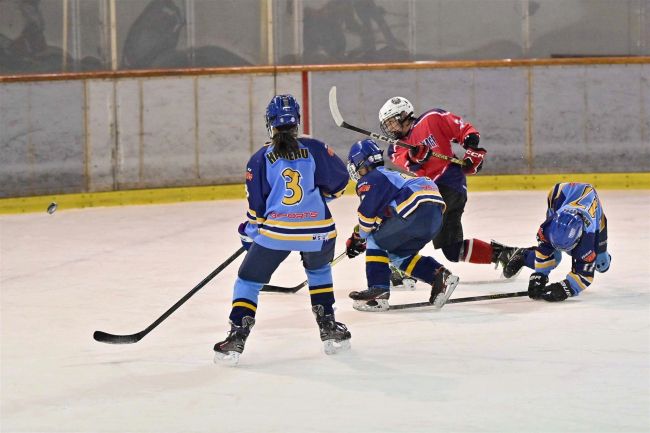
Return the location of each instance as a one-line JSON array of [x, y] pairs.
[[285, 141]]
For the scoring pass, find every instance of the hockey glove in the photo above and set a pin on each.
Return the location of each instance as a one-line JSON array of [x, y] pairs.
[[536, 285], [246, 240], [557, 292], [473, 160], [420, 153], [602, 262], [355, 244]]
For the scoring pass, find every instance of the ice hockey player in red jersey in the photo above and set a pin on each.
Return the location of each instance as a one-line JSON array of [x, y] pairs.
[[434, 132]]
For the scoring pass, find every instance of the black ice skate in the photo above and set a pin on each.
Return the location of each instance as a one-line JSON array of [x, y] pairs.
[[444, 285], [400, 281], [334, 335], [501, 255], [515, 264], [371, 299], [229, 350]]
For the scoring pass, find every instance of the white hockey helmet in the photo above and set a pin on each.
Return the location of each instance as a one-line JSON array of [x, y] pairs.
[[397, 106]]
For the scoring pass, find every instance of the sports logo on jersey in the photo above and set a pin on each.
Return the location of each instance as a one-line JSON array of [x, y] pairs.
[[430, 141], [330, 151], [249, 174], [364, 187], [589, 256]]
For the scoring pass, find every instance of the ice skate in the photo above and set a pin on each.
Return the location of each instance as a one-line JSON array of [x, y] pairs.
[[443, 286], [228, 351], [334, 335], [371, 299], [501, 255], [400, 281], [515, 264]]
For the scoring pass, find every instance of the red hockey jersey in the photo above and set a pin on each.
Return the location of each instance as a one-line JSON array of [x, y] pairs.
[[437, 129]]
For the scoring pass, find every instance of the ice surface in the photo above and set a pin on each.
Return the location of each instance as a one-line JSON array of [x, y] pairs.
[[511, 365]]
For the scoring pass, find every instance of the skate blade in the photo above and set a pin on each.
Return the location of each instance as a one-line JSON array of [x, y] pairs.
[[407, 285], [372, 305], [332, 347], [230, 358], [442, 298]]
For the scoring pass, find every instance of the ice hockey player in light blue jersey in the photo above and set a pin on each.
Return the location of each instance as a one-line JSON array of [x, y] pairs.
[[288, 184], [399, 214], [575, 224]]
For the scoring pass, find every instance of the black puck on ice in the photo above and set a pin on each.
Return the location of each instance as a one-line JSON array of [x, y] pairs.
[[52, 208]]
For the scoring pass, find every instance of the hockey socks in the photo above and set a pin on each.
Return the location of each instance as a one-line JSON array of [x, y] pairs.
[[242, 307], [377, 269], [476, 251], [321, 288], [421, 267]]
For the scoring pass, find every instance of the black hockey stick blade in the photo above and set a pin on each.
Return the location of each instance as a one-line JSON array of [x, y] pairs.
[[338, 119], [105, 337], [460, 300], [279, 289]]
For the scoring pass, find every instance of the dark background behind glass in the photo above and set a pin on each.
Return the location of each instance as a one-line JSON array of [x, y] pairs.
[[93, 35]]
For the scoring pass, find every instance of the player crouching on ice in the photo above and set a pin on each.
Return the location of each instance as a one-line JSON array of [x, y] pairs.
[[398, 215], [575, 224], [288, 184]]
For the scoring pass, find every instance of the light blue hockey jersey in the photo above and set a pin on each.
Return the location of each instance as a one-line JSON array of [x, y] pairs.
[[583, 198], [386, 193], [287, 196]]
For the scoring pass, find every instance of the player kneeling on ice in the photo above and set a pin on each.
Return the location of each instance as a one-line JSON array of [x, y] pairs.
[[288, 184], [575, 224], [398, 215]]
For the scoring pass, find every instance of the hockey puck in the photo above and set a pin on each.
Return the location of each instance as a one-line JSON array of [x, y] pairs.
[[52, 208]]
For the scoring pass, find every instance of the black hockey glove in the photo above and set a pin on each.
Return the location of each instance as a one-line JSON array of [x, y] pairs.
[[355, 245], [557, 292], [536, 285], [420, 153]]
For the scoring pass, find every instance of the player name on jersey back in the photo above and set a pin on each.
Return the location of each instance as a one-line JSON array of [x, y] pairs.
[[291, 156]]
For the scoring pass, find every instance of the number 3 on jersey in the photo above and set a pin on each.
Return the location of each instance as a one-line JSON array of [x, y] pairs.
[[294, 193]]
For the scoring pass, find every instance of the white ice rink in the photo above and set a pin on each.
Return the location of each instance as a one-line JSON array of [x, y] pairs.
[[498, 366]]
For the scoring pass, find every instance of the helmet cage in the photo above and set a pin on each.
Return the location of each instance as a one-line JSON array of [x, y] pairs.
[[364, 154], [397, 108]]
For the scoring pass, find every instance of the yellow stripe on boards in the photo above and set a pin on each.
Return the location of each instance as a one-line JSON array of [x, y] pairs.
[[546, 181], [479, 182]]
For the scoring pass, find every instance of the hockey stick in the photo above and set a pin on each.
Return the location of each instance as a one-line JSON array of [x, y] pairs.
[[278, 289], [338, 119], [105, 337], [460, 300]]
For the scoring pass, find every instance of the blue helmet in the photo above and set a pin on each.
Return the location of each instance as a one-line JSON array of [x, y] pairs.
[[565, 230], [282, 111], [364, 153]]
